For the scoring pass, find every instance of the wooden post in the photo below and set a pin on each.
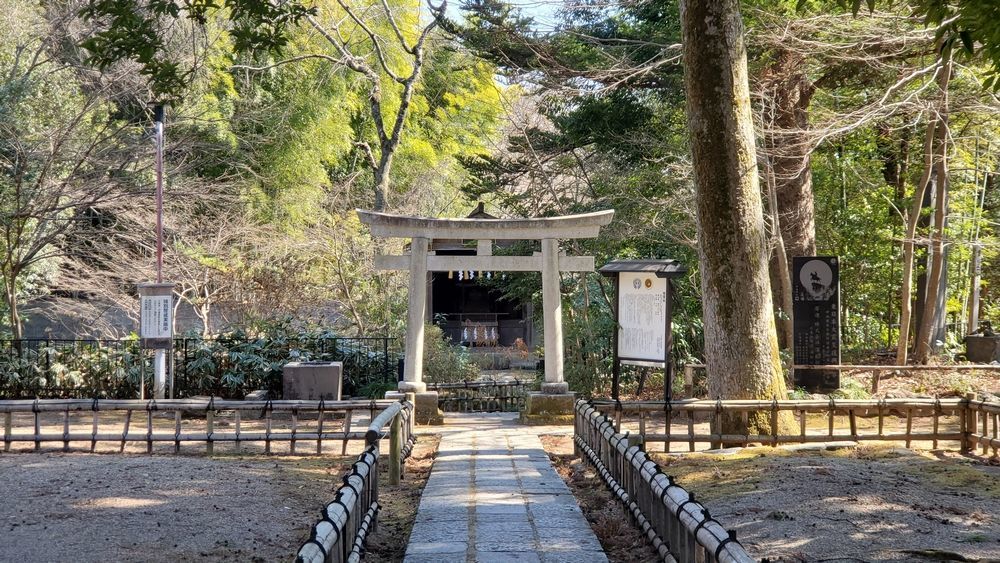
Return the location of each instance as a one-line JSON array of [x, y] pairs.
[[395, 450], [690, 415], [209, 428], [876, 376], [66, 431], [177, 431], [295, 427], [347, 430], [802, 426], [968, 422], [239, 447], [128, 420], [93, 430], [38, 444], [149, 431], [909, 426], [7, 424], [689, 381]]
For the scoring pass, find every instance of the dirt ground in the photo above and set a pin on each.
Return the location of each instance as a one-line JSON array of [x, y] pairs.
[[95, 507], [870, 503], [622, 542], [399, 504]]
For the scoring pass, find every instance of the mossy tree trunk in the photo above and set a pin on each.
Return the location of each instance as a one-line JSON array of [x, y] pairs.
[[741, 346]]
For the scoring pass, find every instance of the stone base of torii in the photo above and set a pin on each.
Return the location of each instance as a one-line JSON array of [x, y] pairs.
[[555, 399]]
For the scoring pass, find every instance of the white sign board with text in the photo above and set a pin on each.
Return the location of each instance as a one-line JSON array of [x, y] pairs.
[[642, 318], [156, 316]]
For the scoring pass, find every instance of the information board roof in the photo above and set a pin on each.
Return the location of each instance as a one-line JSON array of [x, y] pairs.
[[667, 268]]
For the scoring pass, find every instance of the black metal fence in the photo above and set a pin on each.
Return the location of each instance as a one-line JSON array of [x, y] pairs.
[[482, 396], [226, 367], [346, 522], [677, 525]]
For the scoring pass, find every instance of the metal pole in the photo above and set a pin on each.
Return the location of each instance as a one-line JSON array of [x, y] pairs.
[[158, 124], [160, 357], [616, 367]]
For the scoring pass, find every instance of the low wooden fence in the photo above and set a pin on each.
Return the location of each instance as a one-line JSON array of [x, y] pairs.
[[481, 396], [340, 535], [678, 527], [876, 370], [967, 421], [300, 421]]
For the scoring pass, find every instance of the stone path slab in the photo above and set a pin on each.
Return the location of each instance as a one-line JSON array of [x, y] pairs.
[[493, 496]]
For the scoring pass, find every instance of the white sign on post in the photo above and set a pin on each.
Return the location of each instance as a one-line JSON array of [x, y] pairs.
[[156, 316], [642, 318]]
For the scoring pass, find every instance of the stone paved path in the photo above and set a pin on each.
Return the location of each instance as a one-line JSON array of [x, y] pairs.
[[493, 496]]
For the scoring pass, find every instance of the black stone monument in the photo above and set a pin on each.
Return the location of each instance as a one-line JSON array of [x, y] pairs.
[[816, 321]]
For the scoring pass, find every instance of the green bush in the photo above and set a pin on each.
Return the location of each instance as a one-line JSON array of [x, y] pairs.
[[445, 362]]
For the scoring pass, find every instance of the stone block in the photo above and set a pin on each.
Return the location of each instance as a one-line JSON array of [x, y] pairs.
[[547, 408], [427, 411], [312, 381]]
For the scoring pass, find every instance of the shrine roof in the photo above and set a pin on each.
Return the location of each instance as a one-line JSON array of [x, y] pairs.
[[667, 268], [587, 225]]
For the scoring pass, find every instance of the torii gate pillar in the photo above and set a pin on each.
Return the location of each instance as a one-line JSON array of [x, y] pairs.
[[555, 398]]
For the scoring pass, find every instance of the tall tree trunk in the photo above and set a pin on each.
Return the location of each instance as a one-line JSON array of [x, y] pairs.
[[934, 139], [741, 346], [790, 154], [935, 273], [13, 314]]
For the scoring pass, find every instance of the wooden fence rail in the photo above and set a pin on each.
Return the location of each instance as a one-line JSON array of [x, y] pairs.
[[680, 528], [315, 413], [969, 421], [876, 370]]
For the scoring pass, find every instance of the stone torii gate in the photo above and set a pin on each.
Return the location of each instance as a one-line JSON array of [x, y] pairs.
[[555, 397]]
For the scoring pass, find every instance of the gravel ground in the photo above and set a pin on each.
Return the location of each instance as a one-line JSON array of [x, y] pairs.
[[868, 503], [93, 507], [871, 503]]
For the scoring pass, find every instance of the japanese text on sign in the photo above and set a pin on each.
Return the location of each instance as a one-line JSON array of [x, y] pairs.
[[156, 316], [642, 317]]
